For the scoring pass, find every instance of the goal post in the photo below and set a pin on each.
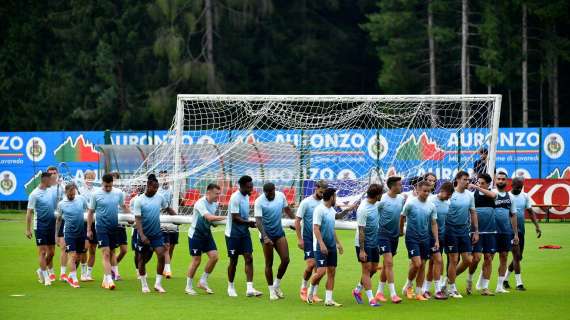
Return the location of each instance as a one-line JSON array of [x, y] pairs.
[[296, 140]]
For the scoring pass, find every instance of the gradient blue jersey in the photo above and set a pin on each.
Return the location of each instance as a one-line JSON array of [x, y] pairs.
[[73, 213], [389, 210], [200, 227], [270, 213]]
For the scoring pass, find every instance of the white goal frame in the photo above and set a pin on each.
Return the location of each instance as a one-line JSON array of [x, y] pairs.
[[493, 124]]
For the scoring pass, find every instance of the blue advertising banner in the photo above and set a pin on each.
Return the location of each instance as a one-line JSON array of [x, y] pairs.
[[330, 155]]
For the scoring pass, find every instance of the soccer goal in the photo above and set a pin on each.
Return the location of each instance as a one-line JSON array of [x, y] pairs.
[[296, 140]]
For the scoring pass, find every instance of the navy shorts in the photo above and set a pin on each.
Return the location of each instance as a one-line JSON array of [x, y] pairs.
[[330, 260], [373, 255], [107, 239], [432, 245], [170, 237], [487, 243], [154, 242], [388, 245], [308, 249], [45, 237], [94, 239], [75, 244], [60, 230], [197, 246], [504, 242], [238, 246], [273, 238], [420, 249], [121, 236], [458, 244]]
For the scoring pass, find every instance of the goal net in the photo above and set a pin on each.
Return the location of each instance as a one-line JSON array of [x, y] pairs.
[[294, 141]]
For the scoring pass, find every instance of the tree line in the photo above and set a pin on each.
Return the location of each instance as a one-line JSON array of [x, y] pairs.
[[92, 65]]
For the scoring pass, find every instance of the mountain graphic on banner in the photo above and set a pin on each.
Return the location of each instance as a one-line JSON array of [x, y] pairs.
[[556, 174], [33, 182], [419, 149], [76, 151]]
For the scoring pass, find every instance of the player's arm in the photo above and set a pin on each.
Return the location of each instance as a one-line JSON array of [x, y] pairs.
[[125, 208], [341, 214], [29, 215], [236, 217], [474, 225], [138, 222], [298, 218], [514, 222], [319, 236], [486, 192], [170, 211], [338, 244], [362, 254], [289, 212], [58, 216], [258, 214], [434, 229], [403, 217], [534, 220], [90, 213]]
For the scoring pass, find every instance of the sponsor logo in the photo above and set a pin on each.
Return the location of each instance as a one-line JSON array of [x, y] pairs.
[[206, 140], [521, 172], [377, 147], [321, 261], [232, 251], [36, 149], [555, 174], [346, 174], [8, 183], [419, 149], [78, 150], [554, 146], [34, 181]]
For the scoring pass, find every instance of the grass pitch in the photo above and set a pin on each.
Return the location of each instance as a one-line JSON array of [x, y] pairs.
[[21, 297]]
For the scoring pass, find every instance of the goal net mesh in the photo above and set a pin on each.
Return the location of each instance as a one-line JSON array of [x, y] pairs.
[[294, 141]]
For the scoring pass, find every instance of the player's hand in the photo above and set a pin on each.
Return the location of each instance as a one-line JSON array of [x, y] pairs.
[[362, 255], [28, 234], [538, 233], [475, 237], [267, 241], [516, 240], [144, 239], [340, 248], [436, 245], [89, 234], [472, 186], [324, 250], [301, 244]]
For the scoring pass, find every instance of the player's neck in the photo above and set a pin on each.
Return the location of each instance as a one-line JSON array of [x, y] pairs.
[[392, 194]]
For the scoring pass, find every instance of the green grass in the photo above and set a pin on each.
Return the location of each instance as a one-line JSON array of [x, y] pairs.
[[544, 273]]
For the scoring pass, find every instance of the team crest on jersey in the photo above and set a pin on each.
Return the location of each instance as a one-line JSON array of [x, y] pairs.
[[8, 183], [36, 149], [554, 145]]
